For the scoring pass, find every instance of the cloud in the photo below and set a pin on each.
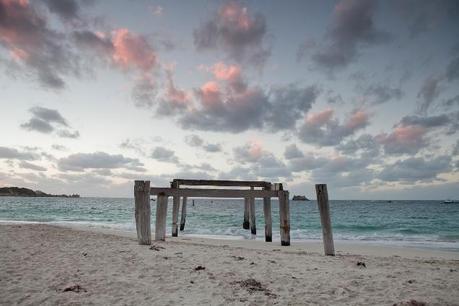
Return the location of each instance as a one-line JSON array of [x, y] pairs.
[[352, 28], [409, 136], [379, 94], [322, 129], [425, 16], [229, 104], [196, 141], [98, 160], [46, 120], [452, 71], [174, 99], [292, 152], [164, 155], [415, 169], [429, 91], [364, 144], [67, 10], [11, 153], [27, 165], [26, 34], [235, 32], [250, 152]]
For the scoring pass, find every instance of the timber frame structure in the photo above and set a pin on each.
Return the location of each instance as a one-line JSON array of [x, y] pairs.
[[265, 190]]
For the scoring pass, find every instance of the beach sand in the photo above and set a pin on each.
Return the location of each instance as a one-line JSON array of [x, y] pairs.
[[42, 264]]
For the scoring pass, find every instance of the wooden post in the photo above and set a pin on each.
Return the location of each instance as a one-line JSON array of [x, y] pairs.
[[253, 224], [142, 211], [246, 224], [183, 218], [268, 218], [284, 215], [322, 202], [175, 211], [161, 214]]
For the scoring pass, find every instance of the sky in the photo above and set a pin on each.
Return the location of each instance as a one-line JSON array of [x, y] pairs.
[[360, 95]]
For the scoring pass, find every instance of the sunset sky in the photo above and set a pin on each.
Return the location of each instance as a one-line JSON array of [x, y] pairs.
[[361, 95]]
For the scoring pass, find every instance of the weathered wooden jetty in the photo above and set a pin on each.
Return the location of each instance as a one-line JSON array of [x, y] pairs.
[[251, 190]]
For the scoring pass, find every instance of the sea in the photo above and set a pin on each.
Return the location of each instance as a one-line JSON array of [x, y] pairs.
[[421, 224]]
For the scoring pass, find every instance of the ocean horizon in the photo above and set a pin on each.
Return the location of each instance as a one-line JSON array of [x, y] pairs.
[[405, 223]]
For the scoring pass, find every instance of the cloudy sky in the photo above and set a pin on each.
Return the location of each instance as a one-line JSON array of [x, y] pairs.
[[361, 95]]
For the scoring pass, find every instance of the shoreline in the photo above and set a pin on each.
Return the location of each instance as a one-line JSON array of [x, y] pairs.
[[349, 247]]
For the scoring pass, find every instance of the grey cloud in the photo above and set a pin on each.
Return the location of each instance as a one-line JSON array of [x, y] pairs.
[[423, 16], [329, 133], [27, 165], [451, 103], [352, 28], [364, 143], [11, 153], [45, 120], [224, 33], [292, 151], [307, 162], [91, 41], [380, 94], [428, 122], [97, 160], [39, 125], [452, 71], [429, 91], [288, 104], [36, 45], [415, 169], [65, 9], [456, 148], [196, 141], [164, 155]]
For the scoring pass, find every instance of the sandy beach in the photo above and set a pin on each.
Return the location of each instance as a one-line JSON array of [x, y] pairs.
[[42, 264]]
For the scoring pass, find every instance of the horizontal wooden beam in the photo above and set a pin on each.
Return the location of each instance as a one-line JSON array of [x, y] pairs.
[[221, 183], [213, 193]]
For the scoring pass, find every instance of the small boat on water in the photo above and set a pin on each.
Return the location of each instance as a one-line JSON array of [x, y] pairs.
[[449, 201]]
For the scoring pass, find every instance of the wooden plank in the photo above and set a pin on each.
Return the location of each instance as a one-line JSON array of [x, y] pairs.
[[246, 223], [327, 235], [268, 219], [142, 211], [284, 215], [221, 183], [252, 215], [213, 193], [175, 212], [183, 218], [161, 214]]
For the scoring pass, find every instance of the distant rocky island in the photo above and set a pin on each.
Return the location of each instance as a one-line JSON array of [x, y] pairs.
[[26, 192], [299, 198]]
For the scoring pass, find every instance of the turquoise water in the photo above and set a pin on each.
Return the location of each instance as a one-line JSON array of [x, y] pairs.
[[431, 224]]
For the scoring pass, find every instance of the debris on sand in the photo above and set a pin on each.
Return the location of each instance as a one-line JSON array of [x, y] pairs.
[[361, 264], [199, 268], [156, 247], [411, 303], [238, 257], [74, 288], [252, 285]]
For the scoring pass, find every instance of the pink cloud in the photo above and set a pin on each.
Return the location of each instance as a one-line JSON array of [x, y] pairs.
[[210, 94], [255, 149], [358, 119], [225, 72], [177, 97], [403, 139], [132, 51], [233, 14], [320, 118]]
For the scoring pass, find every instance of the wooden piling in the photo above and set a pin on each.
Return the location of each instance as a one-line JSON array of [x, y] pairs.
[[246, 223], [268, 218], [161, 214], [253, 224], [175, 211], [142, 211], [322, 202], [284, 215], [183, 218]]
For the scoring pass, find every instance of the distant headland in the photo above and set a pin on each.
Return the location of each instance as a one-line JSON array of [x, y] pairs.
[[26, 192]]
